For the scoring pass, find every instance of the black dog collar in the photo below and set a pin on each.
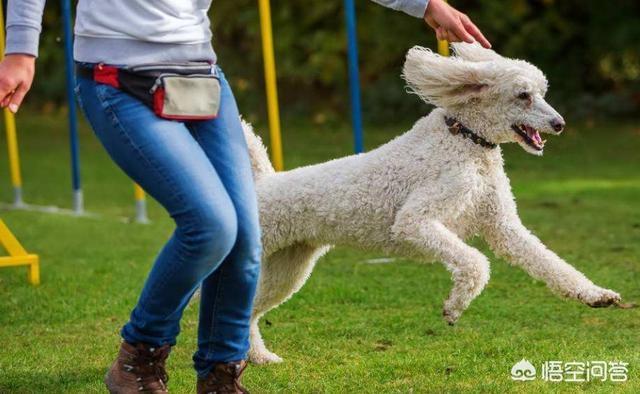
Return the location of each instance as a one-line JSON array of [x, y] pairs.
[[456, 128]]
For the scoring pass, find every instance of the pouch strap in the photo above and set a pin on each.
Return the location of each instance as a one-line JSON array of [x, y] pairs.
[[107, 75]]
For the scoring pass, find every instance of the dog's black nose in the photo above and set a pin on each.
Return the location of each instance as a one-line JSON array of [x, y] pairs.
[[558, 125]]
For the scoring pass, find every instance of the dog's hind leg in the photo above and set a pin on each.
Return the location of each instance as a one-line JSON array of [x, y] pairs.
[[283, 273], [468, 266]]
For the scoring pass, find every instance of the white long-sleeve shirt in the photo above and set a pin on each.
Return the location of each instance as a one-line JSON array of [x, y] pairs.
[[136, 31]]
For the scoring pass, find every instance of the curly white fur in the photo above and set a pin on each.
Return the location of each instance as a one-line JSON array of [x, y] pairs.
[[420, 195]]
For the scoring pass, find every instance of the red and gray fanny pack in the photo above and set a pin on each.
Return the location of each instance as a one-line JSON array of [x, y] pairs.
[[189, 91]]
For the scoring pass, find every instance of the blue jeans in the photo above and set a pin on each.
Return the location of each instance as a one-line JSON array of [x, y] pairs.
[[201, 174]]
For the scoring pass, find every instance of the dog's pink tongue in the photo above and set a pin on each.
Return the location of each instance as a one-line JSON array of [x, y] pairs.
[[537, 137]]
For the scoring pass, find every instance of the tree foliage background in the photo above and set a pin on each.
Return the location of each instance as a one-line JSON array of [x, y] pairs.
[[589, 50]]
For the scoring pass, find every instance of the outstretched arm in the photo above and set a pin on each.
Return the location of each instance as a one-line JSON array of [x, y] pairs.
[[448, 23], [24, 20]]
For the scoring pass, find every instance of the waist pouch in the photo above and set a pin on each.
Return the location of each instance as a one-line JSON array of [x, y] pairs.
[[188, 91]]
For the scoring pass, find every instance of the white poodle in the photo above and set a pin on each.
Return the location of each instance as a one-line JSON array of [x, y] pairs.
[[422, 194]]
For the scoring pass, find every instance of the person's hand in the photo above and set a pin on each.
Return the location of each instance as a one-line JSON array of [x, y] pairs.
[[452, 25], [16, 76]]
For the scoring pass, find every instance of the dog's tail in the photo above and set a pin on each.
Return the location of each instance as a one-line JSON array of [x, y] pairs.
[[258, 152]]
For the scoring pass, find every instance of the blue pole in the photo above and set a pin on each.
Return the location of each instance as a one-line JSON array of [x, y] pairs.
[[78, 205], [354, 75]]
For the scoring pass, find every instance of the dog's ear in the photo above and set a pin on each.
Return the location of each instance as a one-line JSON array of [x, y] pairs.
[[474, 52], [446, 81]]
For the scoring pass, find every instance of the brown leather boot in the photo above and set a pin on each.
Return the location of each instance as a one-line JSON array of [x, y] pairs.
[[224, 378], [139, 369]]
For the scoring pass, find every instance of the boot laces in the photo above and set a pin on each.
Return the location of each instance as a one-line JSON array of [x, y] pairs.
[[226, 379], [148, 365]]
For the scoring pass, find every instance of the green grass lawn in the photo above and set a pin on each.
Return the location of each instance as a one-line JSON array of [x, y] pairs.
[[355, 327]]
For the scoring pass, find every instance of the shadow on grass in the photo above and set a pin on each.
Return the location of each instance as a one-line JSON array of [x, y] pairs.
[[71, 380]]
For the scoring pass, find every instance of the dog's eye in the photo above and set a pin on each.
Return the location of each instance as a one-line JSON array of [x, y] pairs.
[[524, 96]]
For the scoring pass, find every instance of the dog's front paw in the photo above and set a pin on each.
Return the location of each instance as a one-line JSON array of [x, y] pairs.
[[450, 317], [597, 297]]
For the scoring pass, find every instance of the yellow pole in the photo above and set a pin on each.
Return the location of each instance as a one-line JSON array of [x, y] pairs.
[[18, 255], [138, 192], [12, 139], [443, 47], [270, 83], [141, 204]]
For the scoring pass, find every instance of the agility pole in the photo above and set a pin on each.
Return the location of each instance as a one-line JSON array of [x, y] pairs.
[[354, 75], [443, 47], [270, 84], [78, 199], [76, 182], [12, 138], [141, 204]]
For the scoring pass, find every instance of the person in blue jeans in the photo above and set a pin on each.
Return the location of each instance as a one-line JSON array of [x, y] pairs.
[[201, 174], [198, 170]]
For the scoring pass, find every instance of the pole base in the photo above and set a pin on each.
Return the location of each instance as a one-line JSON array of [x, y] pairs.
[[18, 202], [78, 202], [141, 212]]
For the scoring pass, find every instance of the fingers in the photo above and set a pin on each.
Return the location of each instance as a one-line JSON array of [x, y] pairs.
[[6, 91], [5, 101], [431, 22], [475, 32], [17, 98], [446, 35], [460, 32], [453, 37], [16, 76], [452, 25]]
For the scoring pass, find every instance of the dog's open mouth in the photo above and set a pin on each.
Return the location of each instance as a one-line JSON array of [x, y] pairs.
[[529, 135]]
